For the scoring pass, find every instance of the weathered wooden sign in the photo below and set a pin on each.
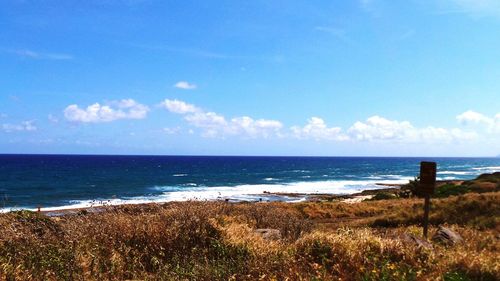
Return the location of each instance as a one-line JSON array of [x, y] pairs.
[[427, 177]]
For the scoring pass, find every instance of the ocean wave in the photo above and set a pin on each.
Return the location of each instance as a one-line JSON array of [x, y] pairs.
[[300, 171], [374, 177], [81, 204], [244, 192], [179, 175], [445, 178], [264, 191], [455, 173], [490, 168], [305, 187], [392, 177], [170, 188]]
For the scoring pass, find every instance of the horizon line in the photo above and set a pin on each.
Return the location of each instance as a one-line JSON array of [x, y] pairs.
[[232, 155]]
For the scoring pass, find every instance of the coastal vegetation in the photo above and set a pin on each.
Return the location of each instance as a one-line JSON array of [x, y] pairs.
[[322, 240]]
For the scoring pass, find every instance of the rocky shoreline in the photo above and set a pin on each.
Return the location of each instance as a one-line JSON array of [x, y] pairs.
[[387, 191]]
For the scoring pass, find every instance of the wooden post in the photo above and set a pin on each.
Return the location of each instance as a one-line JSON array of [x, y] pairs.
[[426, 187], [427, 206]]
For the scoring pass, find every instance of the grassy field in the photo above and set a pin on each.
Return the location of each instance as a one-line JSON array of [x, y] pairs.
[[217, 241]]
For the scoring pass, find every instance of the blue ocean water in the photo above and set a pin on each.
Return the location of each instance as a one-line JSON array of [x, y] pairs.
[[64, 181]]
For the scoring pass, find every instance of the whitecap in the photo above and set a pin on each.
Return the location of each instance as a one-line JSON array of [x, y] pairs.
[[455, 173], [244, 192], [490, 168]]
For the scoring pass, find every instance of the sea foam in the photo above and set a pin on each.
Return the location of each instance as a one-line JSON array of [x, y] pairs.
[[244, 192]]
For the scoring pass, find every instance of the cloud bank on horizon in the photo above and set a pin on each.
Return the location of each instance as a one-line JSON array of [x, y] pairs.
[[366, 77], [214, 125]]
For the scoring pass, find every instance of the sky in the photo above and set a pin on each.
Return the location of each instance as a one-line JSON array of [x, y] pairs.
[[295, 77]]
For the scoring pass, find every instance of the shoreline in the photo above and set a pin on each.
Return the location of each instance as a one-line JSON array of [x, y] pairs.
[[266, 196], [349, 199]]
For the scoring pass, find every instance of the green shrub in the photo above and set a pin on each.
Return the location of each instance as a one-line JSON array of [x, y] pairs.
[[449, 190], [384, 196], [455, 276]]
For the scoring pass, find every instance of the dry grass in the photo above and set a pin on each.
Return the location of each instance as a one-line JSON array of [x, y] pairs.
[[476, 210], [216, 241]]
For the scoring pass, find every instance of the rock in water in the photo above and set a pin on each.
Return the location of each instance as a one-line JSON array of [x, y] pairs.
[[269, 233], [447, 236]]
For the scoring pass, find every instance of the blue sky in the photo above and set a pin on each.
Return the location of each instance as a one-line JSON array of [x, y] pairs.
[[360, 78]]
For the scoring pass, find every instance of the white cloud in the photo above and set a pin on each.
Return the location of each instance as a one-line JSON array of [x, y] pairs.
[[433, 134], [473, 7], [317, 129], [337, 32], [216, 125], [14, 98], [370, 7], [377, 128], [206, 119], [365, 4], [185, 85], [468, 118], [52, 118], [42, 56], [171, 131], [115, 110], [23, 126], [255, 128], [473, 117], [177, 106], [133, 109]]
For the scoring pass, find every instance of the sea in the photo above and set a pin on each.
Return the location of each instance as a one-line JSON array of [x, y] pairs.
[[56, 182]]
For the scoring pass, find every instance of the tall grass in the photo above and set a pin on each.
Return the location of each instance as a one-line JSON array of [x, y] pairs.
[[217, 241]]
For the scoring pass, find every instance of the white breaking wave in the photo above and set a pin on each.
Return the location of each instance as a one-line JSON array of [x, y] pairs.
[[245, 192], [375, 177], [445, 178], [455, 173], [389, 177], [81, 204], [489, 169], [240, 192]]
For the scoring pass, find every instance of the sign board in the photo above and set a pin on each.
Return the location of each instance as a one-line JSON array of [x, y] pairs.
[[427, 177]]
